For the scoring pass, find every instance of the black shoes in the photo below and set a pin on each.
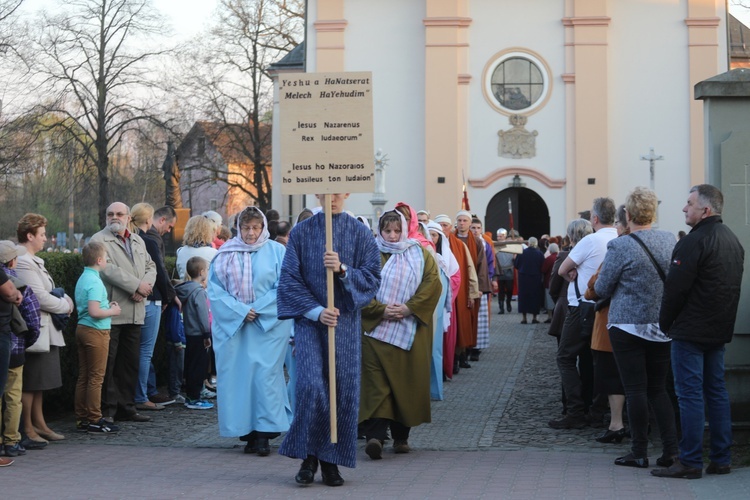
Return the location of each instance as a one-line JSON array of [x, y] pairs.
[[678, 471], [307, 470], [568, 422], [464, 364], [665, 460], [374, 449], [630, 461], [612, 436], [264, 448], [330, 473], [509, 308], [714, 468]]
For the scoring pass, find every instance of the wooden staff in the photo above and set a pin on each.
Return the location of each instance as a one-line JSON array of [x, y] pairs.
[[331, 329]]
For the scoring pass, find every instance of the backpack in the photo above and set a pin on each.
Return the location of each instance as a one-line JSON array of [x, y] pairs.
[[173, 326]]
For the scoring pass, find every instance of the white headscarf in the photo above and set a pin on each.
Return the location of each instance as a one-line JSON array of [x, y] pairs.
[[233, 263], [445, 258]]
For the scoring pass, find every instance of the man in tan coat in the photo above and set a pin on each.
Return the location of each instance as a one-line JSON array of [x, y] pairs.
[[129, 277]]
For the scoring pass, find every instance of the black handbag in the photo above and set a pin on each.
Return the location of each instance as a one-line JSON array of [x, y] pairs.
[[587, 310]]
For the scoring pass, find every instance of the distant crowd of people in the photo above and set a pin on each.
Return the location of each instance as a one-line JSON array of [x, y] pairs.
[[247, 321]]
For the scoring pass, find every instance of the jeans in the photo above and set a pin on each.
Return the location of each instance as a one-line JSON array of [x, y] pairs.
[[149, 331], [176, 358], [93, 348], [699, 379], [643, 366]]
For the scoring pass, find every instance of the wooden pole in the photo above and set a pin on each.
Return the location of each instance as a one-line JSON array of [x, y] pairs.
[[331, 329]]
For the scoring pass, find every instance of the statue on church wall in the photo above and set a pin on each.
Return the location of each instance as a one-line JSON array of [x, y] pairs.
[[517, 142], [381, 161], [173, 195]]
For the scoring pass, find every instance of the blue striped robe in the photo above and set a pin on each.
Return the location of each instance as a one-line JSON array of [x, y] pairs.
[[302, 287]]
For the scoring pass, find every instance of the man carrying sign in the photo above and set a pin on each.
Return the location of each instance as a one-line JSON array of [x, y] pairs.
[[355, 262]]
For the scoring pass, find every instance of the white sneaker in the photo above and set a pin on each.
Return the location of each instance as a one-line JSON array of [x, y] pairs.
[[206, 394], [179, 399]]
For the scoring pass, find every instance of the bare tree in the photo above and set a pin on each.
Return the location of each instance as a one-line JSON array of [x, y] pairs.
[[95, 59], [228, 81], [8, 23]]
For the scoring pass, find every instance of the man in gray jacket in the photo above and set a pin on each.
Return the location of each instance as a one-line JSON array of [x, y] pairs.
[[129, 278]]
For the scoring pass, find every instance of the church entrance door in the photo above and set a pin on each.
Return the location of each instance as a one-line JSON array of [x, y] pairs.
[[530, 213]]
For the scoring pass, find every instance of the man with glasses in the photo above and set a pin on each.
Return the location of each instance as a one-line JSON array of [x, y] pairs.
[[129, 278]]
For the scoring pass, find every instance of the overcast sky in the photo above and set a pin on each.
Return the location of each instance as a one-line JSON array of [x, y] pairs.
[[188, 16]]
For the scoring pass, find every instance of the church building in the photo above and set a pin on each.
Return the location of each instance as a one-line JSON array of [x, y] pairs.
[[538, 105]]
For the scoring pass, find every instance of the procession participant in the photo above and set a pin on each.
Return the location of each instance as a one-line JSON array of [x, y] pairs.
[[249, 339], [483, 320], [397, 341], [302, 296], [464, 303]]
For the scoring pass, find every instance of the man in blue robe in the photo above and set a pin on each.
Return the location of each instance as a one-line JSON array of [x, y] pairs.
[[302, 296]]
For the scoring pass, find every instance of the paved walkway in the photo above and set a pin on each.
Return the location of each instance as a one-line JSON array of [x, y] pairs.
[[488, 439]]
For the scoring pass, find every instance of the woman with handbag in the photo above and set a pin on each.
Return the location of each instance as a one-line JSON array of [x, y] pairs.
[[42, 368], [632, 275]]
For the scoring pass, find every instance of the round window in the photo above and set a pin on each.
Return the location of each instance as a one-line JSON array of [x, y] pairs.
[[516, 82]]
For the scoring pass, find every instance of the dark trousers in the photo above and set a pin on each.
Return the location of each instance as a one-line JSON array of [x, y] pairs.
[[504, 293], [377, 428], [572, 347], [196, 366], [123, 360], [643, 367], [5, 346]]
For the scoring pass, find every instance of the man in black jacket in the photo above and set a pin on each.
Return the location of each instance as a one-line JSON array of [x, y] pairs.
[[698, 311]]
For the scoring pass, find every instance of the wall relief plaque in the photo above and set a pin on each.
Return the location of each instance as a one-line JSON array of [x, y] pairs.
[[517, 142]]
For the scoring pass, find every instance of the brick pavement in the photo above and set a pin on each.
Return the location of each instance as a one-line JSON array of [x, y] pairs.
[[488, 439]]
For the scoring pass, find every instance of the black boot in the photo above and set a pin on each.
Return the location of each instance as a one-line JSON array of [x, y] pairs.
[[307, 470], [330, 473]]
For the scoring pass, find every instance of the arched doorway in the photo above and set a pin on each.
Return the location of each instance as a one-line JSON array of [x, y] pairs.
[[530, 213]]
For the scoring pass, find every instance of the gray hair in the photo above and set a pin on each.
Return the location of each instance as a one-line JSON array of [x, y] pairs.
[[533, 242], [604, 209], [554, 248], [579, 229], [710, 196]]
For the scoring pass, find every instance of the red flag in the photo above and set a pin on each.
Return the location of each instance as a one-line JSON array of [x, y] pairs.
[[465, 199]]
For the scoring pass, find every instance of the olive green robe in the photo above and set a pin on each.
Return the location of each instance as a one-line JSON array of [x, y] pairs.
[[395, 382]]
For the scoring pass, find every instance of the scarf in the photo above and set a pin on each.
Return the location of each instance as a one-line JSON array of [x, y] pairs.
[[399, 280], [233, 263]]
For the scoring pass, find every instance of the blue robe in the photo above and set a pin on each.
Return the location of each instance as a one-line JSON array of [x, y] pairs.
[[250, 355], [303, 288], [436, 367]]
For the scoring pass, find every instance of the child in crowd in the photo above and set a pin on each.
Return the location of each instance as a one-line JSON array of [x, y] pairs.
[[10, 441], [195, 315], [92, 338], [175, 332]]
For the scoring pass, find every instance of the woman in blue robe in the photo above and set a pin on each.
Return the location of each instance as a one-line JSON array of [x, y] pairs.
[[249, 339], [302, 296]]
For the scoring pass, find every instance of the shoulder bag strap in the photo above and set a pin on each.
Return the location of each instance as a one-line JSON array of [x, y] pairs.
[[650, 256], [578, 292]]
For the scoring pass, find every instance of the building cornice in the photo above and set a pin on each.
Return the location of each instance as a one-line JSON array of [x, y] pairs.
[[702, 22], [447, 22], [330, 25], [586, 21]]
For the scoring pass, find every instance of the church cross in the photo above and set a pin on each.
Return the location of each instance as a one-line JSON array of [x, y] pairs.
[[651, 158], [746, 185]]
